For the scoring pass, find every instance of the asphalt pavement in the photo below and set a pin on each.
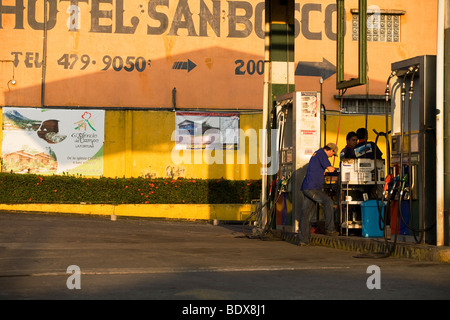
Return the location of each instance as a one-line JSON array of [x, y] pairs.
[[67, 257]]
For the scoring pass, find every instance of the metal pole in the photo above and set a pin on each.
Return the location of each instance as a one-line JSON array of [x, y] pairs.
[[440, 125], [266, 108]]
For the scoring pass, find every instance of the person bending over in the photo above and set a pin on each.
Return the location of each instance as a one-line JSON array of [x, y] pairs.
[[313, 193]]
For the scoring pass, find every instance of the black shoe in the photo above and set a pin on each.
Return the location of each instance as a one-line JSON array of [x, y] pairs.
[[303, 244]]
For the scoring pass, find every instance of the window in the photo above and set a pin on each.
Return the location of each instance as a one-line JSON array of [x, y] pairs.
[[382, 25], [359, 104]]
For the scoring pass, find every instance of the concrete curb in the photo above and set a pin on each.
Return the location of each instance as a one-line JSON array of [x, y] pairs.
[[376, 248], [164, 211]]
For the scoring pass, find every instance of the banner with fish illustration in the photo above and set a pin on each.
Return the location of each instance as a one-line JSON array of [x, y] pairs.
[[53, 141]]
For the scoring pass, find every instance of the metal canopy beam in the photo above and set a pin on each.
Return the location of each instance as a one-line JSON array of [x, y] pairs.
[[362, 46]]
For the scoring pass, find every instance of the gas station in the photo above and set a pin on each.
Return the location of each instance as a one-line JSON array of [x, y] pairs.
[[409, 204], [311, 71]]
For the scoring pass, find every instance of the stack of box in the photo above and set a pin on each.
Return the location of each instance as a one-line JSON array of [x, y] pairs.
[[361, 171]]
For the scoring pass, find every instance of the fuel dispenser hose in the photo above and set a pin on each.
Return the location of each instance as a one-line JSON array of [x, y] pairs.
[[400, 180], [401, 218], [277, 188], [382, 220], [414, 230]]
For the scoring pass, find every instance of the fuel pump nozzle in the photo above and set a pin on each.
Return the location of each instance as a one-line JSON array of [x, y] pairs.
[[396, 180], [284, 184], [405, 179], [387, 92], [386, 109], [410, 69], [411, 86], [387, 181]]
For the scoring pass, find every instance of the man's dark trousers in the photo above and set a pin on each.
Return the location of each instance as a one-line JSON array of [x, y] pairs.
[[311, 197]]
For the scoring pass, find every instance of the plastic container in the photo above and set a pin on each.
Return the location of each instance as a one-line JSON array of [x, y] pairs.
[[370, 219]]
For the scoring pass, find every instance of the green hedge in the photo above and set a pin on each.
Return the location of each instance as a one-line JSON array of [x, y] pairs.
[[32, 188]]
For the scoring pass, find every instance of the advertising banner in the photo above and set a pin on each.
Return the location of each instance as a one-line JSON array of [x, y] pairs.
[[206, 130], [49, 141]]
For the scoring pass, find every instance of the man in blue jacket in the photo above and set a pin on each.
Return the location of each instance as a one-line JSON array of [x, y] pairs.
[[366, 149], [312, 190]]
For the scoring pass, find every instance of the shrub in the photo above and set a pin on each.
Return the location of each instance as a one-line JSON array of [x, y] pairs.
[[32, 188]]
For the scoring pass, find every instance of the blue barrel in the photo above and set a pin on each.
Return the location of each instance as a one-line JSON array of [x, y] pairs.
[[370, 219]]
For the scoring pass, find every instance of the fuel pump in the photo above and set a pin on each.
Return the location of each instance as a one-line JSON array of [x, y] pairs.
[[413, 155], [299, 138]]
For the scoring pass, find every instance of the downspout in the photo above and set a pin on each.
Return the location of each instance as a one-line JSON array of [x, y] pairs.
[[440, 115], [44, 56]]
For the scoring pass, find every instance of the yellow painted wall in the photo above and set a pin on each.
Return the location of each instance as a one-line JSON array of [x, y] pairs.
[[139, 143]]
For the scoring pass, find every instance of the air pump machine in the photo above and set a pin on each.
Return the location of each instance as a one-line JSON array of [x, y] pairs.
[[298, 123], [413, 142]]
